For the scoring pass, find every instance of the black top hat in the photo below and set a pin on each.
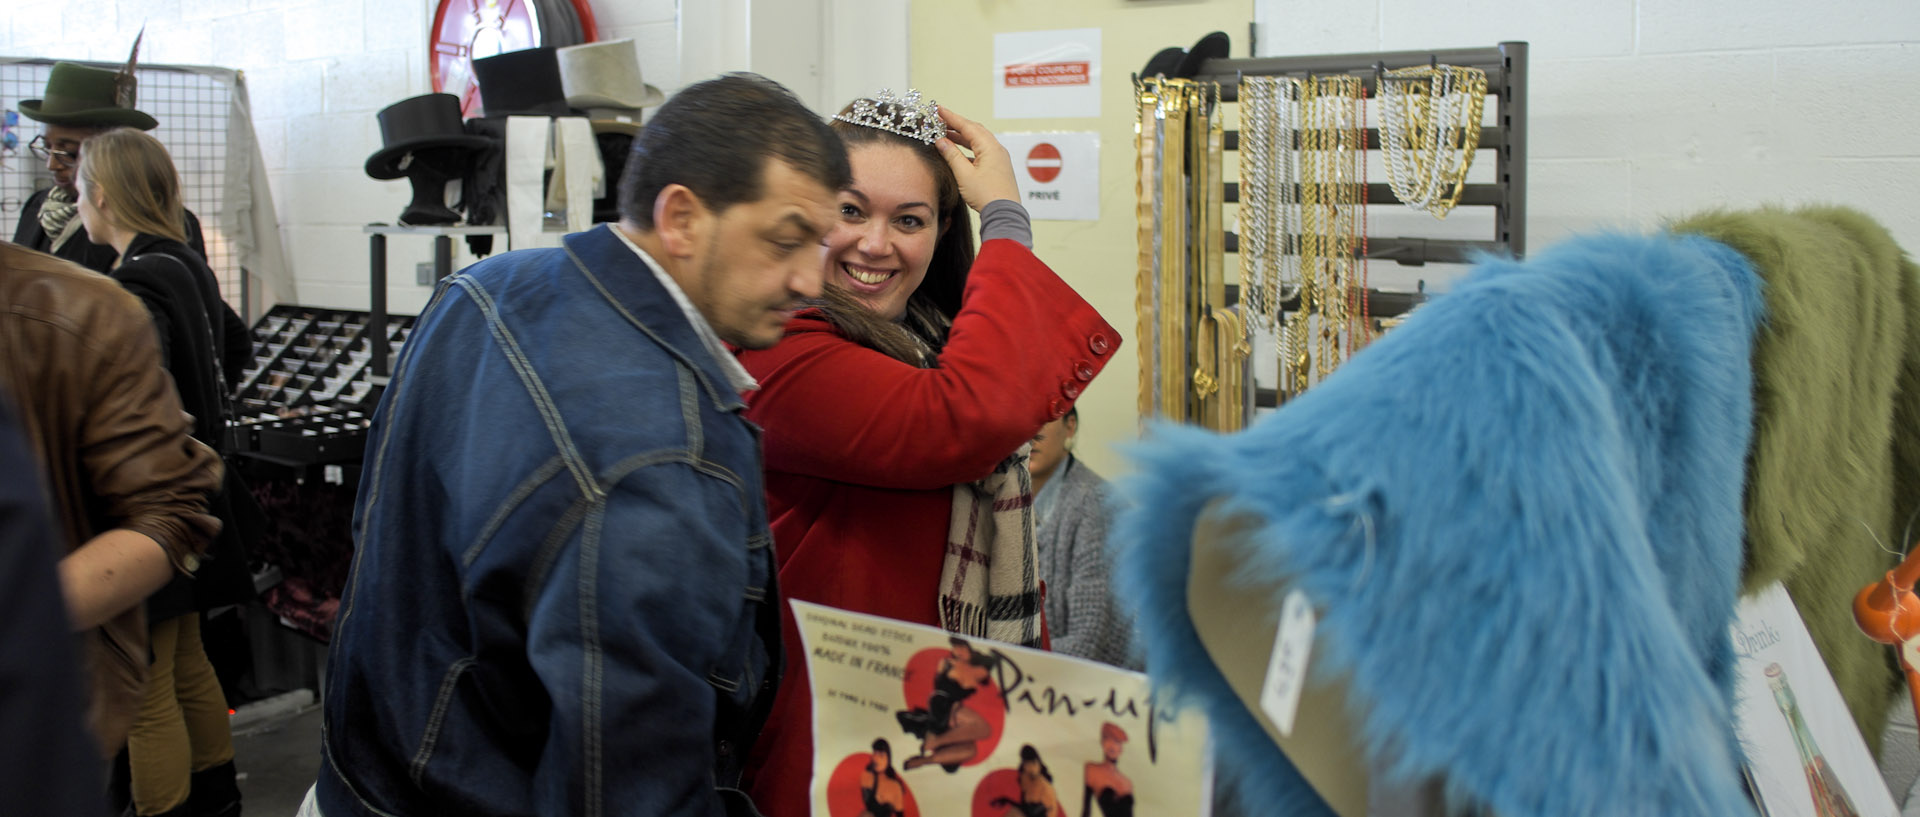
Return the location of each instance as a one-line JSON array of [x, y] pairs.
[[1214, 46], [522, 83], [426, 121], [1164, 63], [83, 96]]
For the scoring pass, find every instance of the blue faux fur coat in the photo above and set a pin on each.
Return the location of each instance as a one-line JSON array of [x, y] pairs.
[[1519, 516]]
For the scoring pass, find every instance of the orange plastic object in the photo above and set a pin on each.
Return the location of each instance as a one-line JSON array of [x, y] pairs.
[[1888, 611]]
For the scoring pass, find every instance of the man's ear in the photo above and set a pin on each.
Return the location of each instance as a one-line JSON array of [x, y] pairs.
[[680, 219]]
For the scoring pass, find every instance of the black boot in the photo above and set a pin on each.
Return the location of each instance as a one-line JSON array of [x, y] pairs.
[[216, 793]]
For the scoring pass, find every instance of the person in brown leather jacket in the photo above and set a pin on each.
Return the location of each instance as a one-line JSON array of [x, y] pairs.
[[130, 487]]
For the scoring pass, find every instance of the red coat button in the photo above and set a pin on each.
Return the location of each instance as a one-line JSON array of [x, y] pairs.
[[1083, 370], [1057, 409], [1070, 389], [1099, 343]]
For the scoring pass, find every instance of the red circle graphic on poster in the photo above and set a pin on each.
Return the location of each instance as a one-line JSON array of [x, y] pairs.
[[998, 795], [1043, 162], [954, 715], [847, 789]]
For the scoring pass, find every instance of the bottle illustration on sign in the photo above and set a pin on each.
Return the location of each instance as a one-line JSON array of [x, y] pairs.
[[1829, 799]]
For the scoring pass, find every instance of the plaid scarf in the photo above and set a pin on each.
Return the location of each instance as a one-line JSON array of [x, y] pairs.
[[990, 580], [59, 208], [989, 584]]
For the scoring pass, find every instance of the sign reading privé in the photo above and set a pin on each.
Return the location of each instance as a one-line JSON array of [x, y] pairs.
[[1046, 74], [1061, 181]]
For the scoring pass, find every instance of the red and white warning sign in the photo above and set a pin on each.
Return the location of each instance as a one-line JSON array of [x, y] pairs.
[[1046, 74], [1043, 162], [1062, 178]]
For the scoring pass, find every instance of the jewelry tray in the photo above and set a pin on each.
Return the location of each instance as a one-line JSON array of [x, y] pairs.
[[307, 396]]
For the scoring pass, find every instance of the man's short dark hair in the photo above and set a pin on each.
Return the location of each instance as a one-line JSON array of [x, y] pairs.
[[715, 138]]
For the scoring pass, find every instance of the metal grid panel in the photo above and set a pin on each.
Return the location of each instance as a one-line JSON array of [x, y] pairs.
[[192, 109]]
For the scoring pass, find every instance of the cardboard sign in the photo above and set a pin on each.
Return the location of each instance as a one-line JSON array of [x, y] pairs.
[[1800, 739], [912, 718], [1046, 73]]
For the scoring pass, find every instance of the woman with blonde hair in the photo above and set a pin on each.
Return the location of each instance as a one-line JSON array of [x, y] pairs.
[[180, 751]]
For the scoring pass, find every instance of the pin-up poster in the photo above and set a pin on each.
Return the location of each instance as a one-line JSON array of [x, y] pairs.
[[1804, 755], [911, 721]]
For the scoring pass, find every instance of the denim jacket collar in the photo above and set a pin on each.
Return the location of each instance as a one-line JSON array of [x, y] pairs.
[[606, 262]]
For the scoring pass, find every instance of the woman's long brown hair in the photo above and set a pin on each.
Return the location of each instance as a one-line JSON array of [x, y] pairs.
[[919, 336]]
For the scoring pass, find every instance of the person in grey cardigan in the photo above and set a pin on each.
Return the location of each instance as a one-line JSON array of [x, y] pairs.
[[1072, 507]]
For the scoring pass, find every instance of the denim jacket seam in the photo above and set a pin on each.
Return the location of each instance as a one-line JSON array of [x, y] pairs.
[[682, 357], [520, 493], [690, 412], [430, 736], [333, 767], [550, 548], [593, 746], [623, 468], [530, 380]]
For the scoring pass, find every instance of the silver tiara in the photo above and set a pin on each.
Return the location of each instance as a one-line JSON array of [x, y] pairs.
[[909, 115]]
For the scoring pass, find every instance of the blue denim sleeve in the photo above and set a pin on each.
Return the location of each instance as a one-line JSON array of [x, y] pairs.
[[623, 637]]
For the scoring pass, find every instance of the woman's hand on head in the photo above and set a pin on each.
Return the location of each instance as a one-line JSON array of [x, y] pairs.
[[987, 175]]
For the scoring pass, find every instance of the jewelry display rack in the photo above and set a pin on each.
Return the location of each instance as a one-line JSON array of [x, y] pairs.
[[1196, 366], [1506, 69]]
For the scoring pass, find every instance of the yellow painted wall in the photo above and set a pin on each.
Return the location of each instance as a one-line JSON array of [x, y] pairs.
[[952, 61]]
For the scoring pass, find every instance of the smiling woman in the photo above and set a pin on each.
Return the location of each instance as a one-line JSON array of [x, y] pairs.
[[896, 409]]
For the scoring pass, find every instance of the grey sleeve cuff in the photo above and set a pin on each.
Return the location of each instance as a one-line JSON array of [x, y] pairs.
[[1006, 219]]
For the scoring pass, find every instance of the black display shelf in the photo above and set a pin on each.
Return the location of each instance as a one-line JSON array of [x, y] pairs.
[[308, 395]]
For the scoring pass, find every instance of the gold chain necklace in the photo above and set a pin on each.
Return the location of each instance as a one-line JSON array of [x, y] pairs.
[[1430, 131]]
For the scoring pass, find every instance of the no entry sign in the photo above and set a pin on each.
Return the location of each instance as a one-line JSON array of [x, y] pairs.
[[1062, 178], [1043, 162]]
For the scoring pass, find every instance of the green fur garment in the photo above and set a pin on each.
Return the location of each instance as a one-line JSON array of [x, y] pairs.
[[1834, 471]]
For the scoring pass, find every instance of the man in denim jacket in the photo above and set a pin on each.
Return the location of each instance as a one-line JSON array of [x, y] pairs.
[[563, 599]]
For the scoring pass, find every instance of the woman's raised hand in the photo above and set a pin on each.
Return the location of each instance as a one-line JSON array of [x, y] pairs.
[[986, 176]]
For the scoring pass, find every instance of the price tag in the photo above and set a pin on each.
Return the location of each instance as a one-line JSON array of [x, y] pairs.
[[1287, 666]]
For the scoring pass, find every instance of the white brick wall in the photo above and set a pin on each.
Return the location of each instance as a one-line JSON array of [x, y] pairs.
[[1641, 109], [317, 73], [1649, 109]]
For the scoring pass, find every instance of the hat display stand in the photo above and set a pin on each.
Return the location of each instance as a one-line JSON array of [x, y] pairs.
[[429, 173], [424, 141], [524, 91]]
